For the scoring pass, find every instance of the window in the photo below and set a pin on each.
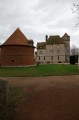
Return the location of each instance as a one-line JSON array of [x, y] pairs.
[[44, 57], [40, 47], [58, 52], [58, 57], [58, 46], [51, 51], [40, 52], [51, 57], [65, 38], [51, 47], [39, 57], [12, 60]]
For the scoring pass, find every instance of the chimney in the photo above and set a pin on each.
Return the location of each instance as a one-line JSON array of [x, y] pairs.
[[46, 37]]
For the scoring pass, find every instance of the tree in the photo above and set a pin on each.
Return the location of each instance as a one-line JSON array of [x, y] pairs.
[[75, 9], [74, 50]]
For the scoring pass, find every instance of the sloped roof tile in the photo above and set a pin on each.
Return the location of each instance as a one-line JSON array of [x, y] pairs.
[[41, 45], [17, 38], [55, 40]]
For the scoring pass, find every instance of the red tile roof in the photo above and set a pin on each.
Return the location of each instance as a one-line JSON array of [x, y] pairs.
[[17, 38]]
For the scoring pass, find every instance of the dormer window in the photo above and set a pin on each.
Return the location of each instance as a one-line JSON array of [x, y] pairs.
[[40, 47], [54, 42], [65, 38]]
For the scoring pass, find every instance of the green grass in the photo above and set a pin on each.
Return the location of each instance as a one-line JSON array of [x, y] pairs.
[[15, 96], [41, 70]]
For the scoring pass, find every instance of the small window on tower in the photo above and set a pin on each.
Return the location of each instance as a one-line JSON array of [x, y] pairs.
[[12, 60], [65, 38]]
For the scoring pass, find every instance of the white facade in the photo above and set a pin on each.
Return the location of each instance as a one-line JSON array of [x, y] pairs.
[[56, 52], [41, 54], [52, 54]]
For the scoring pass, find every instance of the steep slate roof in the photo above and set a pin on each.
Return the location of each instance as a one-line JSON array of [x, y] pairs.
[[41, 45], [55, 40], [51, 40], [65, 35], [17, 38]]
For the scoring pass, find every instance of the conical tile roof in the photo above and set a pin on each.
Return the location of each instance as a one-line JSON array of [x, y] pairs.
[[17, 38]]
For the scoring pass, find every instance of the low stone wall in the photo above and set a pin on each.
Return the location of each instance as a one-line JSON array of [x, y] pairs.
[[3, 92]]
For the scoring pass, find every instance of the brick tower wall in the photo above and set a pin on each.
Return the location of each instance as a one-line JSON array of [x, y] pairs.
[[16, 55]]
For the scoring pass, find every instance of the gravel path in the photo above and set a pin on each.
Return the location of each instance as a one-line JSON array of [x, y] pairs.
[[47, 98]]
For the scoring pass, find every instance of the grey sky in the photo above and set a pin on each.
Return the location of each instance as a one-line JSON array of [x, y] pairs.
[[36, 18]]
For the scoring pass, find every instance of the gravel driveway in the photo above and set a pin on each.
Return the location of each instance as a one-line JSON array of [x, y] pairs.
[[47, 98]]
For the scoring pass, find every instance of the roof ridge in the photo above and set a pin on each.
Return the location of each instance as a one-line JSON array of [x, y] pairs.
[[65, 34], [17, 37]]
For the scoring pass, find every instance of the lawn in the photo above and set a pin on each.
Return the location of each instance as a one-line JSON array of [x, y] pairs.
[[14, 98], [41, 70]]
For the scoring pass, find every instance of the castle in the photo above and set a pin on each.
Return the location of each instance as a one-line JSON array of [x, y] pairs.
[[55, 49], [18, 50]]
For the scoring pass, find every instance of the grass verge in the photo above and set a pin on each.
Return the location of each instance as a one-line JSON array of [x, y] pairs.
[[15, 95], [41, 70]]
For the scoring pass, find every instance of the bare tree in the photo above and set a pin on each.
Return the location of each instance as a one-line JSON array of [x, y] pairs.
[[74, 50], [75, 9]]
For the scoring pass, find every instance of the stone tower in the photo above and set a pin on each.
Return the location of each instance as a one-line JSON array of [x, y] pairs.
[[66, 38]]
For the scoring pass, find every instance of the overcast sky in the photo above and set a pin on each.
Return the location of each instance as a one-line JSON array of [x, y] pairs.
[[36, 18]]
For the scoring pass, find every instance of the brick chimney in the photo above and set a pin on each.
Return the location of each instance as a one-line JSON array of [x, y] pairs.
[[46, 37]]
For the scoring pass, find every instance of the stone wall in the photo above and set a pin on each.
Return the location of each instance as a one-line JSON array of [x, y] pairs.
[[52, 54]]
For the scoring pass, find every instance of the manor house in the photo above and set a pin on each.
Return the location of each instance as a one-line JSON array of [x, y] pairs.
[[55, 49]]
